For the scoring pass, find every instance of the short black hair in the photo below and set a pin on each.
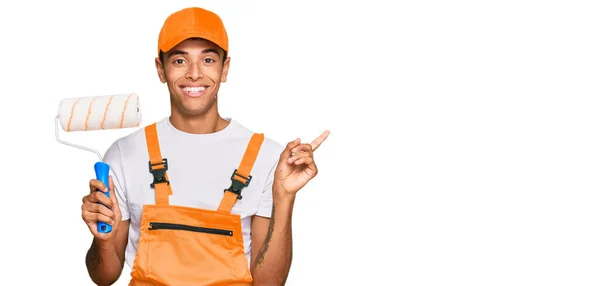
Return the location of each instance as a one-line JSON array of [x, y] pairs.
[[161, 55]]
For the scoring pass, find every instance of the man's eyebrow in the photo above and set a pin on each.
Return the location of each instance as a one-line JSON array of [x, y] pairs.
[[210, 50], [176, 52], [205, 51]]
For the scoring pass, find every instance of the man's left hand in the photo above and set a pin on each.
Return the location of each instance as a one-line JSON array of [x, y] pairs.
[[296, 166]]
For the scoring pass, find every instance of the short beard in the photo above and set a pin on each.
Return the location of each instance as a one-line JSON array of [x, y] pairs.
[[182, 110]]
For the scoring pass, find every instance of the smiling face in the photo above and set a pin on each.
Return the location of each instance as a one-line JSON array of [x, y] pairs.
[[193, 71]]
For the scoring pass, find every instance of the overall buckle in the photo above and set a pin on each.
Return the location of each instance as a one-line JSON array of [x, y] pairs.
[[236, 185], [159, 174]]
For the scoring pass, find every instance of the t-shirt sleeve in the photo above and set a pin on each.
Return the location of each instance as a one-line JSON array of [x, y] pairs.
[[266, 202], [113, 158]]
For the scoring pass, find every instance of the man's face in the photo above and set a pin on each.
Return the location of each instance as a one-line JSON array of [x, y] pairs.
[[193, 71]]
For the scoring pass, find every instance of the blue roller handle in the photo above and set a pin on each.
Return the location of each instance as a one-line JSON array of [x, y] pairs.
[[102, 169]]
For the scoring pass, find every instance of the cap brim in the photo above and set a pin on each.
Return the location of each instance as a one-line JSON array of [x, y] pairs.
[[171, 43]]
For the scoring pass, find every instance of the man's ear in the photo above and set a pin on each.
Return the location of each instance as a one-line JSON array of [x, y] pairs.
[[160, 69], [225, 69]]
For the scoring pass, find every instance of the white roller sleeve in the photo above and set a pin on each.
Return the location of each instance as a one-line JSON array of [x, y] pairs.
[[99, 112]]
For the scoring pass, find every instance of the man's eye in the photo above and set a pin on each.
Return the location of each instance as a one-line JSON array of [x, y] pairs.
[[179, 61], [209, 60]]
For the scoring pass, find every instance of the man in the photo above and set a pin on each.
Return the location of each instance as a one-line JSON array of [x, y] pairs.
[[196, 199]]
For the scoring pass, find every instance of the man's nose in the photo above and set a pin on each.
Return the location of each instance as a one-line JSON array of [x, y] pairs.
[[194, 71]]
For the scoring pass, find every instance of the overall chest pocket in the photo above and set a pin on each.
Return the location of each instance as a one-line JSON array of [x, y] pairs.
[[193, 248], [154, 225]]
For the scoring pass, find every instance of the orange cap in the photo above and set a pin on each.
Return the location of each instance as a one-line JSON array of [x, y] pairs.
[[192, 22]]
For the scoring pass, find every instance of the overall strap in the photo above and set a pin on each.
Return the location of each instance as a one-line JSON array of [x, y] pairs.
[[241, 176], [158, 167]]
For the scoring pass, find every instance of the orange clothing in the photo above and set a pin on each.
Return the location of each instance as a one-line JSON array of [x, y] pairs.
[[189, 246]]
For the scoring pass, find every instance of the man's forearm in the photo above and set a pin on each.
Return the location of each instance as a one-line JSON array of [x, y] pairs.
[[274, 259], [103, 264]]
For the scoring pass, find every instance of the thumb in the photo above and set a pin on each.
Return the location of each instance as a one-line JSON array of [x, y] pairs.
[[287, 152]]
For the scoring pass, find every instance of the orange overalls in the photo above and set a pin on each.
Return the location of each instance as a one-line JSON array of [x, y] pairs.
[[188, 246]]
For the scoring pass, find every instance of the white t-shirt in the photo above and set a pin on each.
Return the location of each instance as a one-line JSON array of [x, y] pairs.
[[200, 168]]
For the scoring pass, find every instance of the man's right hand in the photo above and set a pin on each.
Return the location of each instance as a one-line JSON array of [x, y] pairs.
[[98, 207], [105, 258]]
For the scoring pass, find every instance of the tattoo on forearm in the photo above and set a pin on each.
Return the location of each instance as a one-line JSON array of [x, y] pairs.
[[261, 254], [93, 257]]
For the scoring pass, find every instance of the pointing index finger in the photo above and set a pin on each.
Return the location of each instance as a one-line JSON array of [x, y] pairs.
[[317, 142]]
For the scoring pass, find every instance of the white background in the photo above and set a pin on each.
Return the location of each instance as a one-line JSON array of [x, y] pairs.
[[465, 146]]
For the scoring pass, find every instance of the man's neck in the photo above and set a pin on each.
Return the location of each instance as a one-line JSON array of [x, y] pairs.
[[199, 124]]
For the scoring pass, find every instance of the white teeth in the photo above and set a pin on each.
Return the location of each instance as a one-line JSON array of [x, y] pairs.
[[194, 89]]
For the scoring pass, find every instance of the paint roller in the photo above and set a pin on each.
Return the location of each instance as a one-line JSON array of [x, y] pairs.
[[98, 113]]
